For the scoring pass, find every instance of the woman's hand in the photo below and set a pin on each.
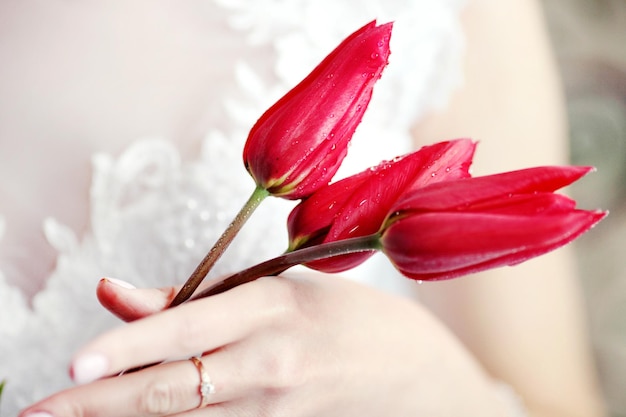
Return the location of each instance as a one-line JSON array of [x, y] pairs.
[[302, 345]]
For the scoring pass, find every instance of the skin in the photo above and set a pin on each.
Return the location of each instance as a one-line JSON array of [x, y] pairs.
[[536, 310], [280, 355], [310, 344]]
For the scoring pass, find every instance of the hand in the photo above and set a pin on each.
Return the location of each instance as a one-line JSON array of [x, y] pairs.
[[303, 345]]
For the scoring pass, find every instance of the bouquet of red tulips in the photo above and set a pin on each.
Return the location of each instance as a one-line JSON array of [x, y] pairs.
[[423, 210]]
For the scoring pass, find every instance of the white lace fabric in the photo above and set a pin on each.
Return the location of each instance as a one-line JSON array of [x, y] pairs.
[[153, 215]]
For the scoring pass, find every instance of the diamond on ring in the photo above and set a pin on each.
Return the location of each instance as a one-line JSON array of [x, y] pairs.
[[206, 387]]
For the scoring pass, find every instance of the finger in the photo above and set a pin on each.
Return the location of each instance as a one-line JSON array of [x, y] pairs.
[[130, 303], [186, 330], [163, 390]]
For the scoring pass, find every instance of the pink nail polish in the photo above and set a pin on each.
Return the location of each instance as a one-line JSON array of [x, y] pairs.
[[89, 367], [121, 283]]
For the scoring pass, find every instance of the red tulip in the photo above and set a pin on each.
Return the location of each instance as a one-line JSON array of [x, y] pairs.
[[443, 229], [299, 143], [459, 227], [358, 205]]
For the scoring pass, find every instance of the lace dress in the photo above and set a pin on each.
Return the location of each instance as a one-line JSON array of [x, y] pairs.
[[154, 214]]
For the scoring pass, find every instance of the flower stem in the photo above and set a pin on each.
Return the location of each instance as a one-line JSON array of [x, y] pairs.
[[201, 271], [287, 260]]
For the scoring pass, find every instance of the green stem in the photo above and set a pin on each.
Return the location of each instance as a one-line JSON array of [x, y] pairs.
[[287, 260], [2, 384], [201, 271]]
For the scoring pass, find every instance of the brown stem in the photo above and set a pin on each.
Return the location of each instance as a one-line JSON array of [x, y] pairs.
[[201, 271], [287, 260]]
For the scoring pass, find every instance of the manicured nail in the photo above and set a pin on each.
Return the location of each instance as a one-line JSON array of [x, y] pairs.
[[121, 283], [38, 414], [88, 368]]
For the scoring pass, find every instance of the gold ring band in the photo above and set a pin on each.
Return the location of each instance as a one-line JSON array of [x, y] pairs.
[[206, 387]]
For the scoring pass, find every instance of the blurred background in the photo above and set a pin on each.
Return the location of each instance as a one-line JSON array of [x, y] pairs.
[[589, 37]]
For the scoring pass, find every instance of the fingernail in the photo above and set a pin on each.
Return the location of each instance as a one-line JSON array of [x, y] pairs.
[[121, 283], [88, 368], [38, 414]]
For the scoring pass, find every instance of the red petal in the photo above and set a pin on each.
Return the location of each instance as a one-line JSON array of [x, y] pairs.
[[340, 263], [367, 205], [298, 144], [463, 193], [435, 246], [310, 221], [366, 208], [526, 204]]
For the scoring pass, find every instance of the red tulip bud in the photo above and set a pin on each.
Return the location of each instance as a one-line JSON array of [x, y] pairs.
[[299, 143], [459, 227], [358, 205]]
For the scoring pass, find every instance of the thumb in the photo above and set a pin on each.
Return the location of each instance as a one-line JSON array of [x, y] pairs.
[[130, 303]]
